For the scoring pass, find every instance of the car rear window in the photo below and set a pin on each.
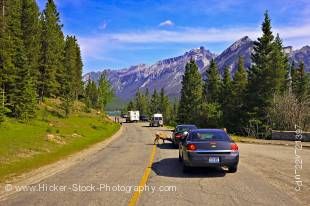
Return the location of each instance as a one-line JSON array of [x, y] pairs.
[[185, 128], [209, 136]]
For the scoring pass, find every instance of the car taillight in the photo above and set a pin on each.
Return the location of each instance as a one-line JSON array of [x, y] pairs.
[[191, 147], [178, 136], [234, 147]]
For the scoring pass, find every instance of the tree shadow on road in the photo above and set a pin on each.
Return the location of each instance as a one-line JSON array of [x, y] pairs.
[[171, 167]]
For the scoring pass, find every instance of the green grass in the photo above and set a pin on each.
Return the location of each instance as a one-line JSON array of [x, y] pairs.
[[169, 127], [238, 138], [25, 146]]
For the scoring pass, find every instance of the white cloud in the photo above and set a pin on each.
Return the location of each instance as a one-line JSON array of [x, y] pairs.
[[100, 45], [166, 23]]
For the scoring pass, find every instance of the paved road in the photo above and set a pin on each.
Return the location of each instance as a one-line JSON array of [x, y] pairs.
[[265, 177]]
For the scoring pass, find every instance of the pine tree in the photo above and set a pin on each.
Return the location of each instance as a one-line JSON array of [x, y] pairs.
[[67, 92], [278, 67], [78, 82], [213, 83], [73, 66], [105, 91], [301, 82], [20, 90], [2, 105], [147, 102], [70, 60], [91, 94], [31, 36], [52, 52], [154, 103], [25, 107], [164, 105], [266, 76], [239, 85], [191, 94], [174, 113], [225, 97], [7, 68], [131, 106], [141, 103]]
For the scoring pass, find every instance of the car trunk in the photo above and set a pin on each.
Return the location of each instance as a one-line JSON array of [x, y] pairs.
[[211, 145]]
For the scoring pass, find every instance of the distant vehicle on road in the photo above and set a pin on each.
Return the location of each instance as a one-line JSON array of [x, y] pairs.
[[133, 116], [144, 118], [179, 130], [208, 148], [125, 116], [157, 120]]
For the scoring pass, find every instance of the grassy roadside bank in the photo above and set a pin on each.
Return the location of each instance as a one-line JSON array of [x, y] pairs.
[[27, 146]]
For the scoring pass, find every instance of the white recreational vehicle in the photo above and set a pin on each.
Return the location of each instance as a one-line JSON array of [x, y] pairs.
[[133, 116], [157, 120]]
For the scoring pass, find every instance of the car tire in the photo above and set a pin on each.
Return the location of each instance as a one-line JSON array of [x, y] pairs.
[[233, 169]]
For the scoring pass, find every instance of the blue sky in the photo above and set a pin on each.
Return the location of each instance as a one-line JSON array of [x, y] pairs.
[[117, 34]]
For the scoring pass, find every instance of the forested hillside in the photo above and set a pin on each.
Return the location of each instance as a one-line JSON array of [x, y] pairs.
[[37, 61]]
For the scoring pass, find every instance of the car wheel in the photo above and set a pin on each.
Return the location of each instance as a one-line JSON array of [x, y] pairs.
[[232, 169]]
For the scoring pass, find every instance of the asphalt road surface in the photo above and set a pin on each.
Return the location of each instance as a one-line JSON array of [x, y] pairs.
[[265, 177]]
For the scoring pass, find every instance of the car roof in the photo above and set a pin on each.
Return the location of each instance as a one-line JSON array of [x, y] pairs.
[[186, 125], [208, 130]]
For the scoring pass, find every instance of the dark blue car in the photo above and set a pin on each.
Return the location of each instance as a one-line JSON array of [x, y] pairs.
[[178, 133], [208, 148]]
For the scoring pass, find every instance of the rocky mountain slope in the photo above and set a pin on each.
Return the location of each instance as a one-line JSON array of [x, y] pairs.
[[168, 73]]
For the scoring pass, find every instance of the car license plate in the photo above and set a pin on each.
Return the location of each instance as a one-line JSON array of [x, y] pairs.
[[214, 159]]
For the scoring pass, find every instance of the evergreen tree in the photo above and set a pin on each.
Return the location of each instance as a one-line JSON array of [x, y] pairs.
[[289, 78], [266, 76], [164, 105], [7, 67], [2, 105], [154, 103], [239, 85], [147, 102], [278, 67], [191, 94], [174, 113], [73, 66], [70, 59], [105, 91], [20, 90], [225, 99], [213, 83], [25, 106], [77, 78], [141, 103], [91, 94], [31, 36], [67, 94], [301, 82], [52, 52], [131, 106]]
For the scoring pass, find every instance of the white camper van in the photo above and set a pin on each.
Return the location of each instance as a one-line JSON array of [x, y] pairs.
[[133, 116], [157, 120]]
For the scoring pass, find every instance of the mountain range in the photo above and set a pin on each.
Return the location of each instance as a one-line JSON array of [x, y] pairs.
[[168, 73]]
